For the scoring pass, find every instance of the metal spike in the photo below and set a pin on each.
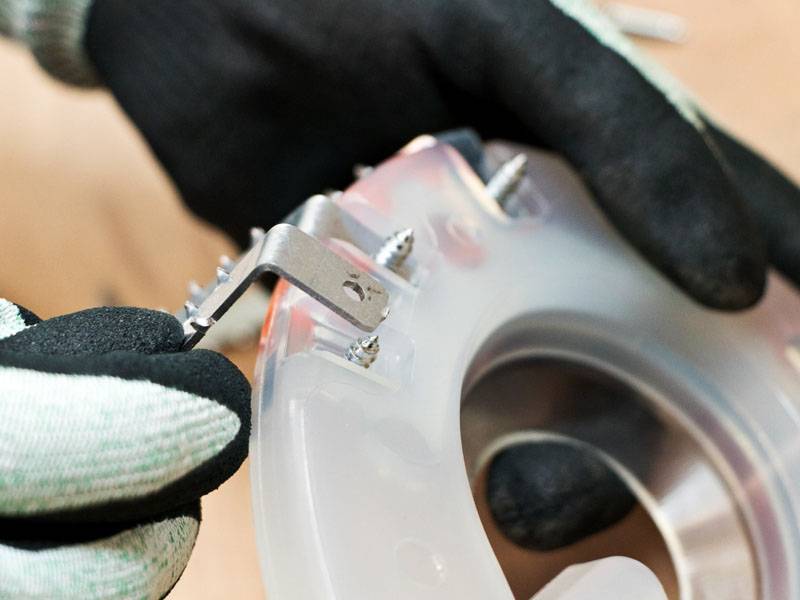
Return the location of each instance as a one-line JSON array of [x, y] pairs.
[[360, 171], [256, 235], [507, 178], [227, 263], [190, 307], [363, 351], [196, 293], [222, 275], [396, 249]]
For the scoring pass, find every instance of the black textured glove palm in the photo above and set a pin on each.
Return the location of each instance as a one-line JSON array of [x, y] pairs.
[[251, 106], [109, 437]]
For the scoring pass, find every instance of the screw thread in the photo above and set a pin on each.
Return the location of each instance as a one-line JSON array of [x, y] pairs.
[[396, 249], [363, 351], [507, 178]]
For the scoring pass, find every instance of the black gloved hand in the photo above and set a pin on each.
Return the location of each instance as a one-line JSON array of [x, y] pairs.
[[108, 438], [252, 105]]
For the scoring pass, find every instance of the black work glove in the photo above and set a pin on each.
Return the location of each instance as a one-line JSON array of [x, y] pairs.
[[252, 105], [109, 436]]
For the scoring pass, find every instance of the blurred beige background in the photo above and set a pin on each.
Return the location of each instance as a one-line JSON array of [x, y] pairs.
[[88, 218]]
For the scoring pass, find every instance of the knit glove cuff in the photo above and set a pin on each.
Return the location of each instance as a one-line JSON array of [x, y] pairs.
[[54, 32]]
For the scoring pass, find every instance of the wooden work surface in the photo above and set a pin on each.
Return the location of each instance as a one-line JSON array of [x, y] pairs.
[[88, 218]]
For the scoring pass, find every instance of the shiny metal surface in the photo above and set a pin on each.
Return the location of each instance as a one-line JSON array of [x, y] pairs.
[[396, 250], [363, 351], [507, 178], [305, 262], [556, 390], [658, 426], [325, 220]]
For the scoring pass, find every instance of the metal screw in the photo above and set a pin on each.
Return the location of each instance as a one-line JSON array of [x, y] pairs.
[[363, 351], [507, 178], [227, 263], [360, 171], [256, 235], [222, 275], [196, 292], [396, 249]]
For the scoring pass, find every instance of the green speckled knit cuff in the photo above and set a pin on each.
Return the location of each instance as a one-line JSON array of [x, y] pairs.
[[53, 30]]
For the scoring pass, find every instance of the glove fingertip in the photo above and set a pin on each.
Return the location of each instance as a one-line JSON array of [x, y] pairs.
[[730, 285], [143, 559], [102, 330], [547, 495]]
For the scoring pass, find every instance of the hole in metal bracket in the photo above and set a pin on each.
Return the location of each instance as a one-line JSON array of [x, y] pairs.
[[353, 291]]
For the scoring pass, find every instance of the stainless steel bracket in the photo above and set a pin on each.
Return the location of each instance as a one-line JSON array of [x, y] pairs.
[[325, 220], [305, 262]]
